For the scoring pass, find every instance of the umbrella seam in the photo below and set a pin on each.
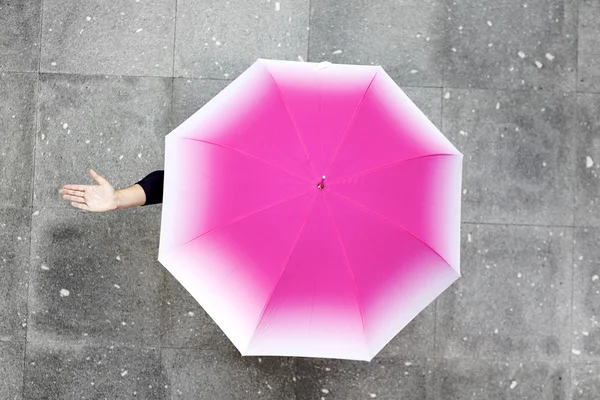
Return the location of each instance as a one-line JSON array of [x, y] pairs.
[[341, 243], [390, 165], [389, 221], [350, 124], [291, 119], [287, 260], [249, 155], [239, 218]]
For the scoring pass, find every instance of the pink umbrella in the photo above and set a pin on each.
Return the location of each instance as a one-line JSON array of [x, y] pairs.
[[311, 209]]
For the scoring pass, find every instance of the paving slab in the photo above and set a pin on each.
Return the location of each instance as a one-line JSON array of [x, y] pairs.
[[190, 95], [115, 125], [14, 265], [513, 300], [221, 40], [586, 296], [69, 371], [108, 37], [511, 44], [405, 38], [11, 370], [17, 135], [473, 379], [585, 381], [224, 374], [588, 46], [20, 24], [519, 154], [382, 378], [587, 148], [94, 278]]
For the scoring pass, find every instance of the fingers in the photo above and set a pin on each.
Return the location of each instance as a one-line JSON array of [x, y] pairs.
[[98, 178], [80, 188], [76, 199], [81, 206], [79, 193]]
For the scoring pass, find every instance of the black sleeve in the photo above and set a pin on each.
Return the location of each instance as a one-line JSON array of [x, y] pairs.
[[153, 187]]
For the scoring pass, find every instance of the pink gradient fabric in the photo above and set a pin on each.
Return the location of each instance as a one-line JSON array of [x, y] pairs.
[[286, 266]]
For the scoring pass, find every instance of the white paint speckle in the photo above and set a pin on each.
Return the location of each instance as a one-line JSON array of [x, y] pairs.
[[118, 258], [139, 30], [64, 293], [519, 275], [489, 23], [497, 106], [589, 162], [277, 6], [372, 395], [53, 64], [43, 137], [413, 71], [513, 384], [408, 363], [580, 258], [190, 313], [576, 352], [87, 142], [88, 18], [117, 286], [549, 56], [325, 391], [65, 125], [595, 278], [45, 267], [300, 58], [463, 133], [139, 155], [521, 54], [120, 157], [469, 238], [337, 52], [123, 373], [538, 64], [447, 95]]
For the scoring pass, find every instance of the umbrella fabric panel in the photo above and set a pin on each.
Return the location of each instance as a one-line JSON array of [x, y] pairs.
[[232, 270], [422, 195]]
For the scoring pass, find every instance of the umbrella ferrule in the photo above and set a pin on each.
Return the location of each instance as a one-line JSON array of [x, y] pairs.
[[321, 184]]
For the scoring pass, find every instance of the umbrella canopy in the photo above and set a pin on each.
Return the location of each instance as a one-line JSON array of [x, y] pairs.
[[311, 209]]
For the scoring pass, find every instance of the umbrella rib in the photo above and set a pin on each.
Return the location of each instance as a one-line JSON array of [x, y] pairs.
[[292, 119], [350, 124], [287, 260], [389, 221], [390, 165], [347, 260], [249, 155], [234, 220]]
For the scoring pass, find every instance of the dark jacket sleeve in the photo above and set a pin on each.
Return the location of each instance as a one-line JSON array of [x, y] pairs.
[[153, 185]]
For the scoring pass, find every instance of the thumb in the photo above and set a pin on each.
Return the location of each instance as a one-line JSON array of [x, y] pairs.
[[98, 178]]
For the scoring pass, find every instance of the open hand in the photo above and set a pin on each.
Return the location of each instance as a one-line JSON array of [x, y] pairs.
[[96, 198]]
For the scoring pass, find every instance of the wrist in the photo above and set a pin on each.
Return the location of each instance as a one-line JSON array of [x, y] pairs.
[[118, 199]]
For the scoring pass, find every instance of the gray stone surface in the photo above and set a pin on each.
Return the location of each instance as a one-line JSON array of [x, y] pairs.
[[585, 381], [184, 323], [94, 278], [14, 262], [429, 100], [115, 125], [519, 158], [406, 37], [473, 379], [107, 37], [189, 95], [383, 378], [589, 46], [532, 159], [587, 203], [19, 35], [70, 371], [220, 40], [511, 44], [11, 370], [513, 299], [586, 299], [208, 375], [17, 130]]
